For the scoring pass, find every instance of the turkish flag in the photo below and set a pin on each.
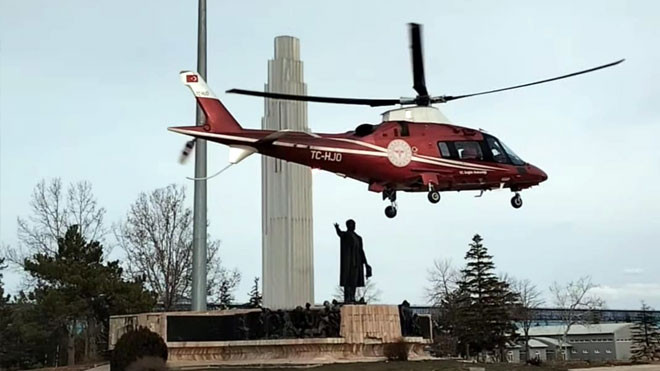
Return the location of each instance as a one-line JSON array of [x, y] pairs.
[[191, 78]]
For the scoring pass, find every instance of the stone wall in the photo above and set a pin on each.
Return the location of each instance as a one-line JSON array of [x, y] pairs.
[[365, 332]]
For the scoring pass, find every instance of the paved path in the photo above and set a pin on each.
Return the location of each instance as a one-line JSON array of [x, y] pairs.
[[621, 368], [190, 365], [105, 367]]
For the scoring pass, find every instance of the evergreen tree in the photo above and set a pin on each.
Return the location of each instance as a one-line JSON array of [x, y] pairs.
[[255, 296], [449, 322], [5, 317], [77, 292], [225, 296], [645, 336], [483, 304], [31, 339], [26, 335]]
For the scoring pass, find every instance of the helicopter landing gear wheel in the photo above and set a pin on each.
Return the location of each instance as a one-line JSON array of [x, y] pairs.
[[516, 201], [390, 194], [434, 197], [390, 211]]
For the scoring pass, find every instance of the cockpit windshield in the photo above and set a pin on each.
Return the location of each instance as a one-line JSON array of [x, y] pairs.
[[512, 155]]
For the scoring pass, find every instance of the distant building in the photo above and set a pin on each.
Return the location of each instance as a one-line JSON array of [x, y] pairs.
[[286, 189], [512, 352], [553, 316], [599, 342], [537, 349]]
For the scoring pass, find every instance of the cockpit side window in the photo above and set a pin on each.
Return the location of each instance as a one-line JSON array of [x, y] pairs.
[[497, 151], [444, 149], [469, 150]]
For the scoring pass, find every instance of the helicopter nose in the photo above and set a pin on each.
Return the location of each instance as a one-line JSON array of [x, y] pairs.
[[542, 176]]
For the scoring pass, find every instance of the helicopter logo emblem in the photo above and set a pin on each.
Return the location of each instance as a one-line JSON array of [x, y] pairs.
[[399, 153]]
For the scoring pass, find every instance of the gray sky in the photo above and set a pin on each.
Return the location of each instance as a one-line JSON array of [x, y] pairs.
[[88, 88]]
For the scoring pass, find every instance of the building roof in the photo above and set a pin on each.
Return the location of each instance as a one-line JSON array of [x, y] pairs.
[[603, 328], [551, 342], [533, 343]]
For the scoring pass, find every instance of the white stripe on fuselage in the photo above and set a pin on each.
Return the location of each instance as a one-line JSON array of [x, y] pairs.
[[440, 160], [330, 149], [485, 167], [379, 151]]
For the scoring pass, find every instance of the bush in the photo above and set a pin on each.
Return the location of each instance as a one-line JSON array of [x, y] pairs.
[[148, 364], [536, 361], [135, 345], [397, 351]]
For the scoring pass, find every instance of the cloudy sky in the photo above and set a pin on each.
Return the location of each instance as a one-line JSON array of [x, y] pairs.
[[88, 88]]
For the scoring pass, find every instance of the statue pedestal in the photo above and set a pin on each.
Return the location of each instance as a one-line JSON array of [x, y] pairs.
[[367, 333], [370, 322]]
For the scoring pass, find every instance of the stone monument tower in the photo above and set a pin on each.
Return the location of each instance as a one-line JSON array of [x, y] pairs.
[[286, 191]]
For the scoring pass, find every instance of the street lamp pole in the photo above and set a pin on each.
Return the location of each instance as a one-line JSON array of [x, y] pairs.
[[199, 208]]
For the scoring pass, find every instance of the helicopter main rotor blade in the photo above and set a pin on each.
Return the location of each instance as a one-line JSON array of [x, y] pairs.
[[419, 82], [447, 98], [309, 98]]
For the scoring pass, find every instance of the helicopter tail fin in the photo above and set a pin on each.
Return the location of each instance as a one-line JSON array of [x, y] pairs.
[[218, 118]]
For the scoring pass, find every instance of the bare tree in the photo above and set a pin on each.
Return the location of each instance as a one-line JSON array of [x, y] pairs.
[[157, 237], [53, 211], [443, 279], [577, 305], [369, 293], [442, 291], [530, 300]]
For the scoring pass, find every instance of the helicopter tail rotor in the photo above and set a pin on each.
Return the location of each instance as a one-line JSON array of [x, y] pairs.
[[187, 150]]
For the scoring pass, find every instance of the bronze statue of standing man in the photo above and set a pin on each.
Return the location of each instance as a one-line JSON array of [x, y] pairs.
[[352, 261]]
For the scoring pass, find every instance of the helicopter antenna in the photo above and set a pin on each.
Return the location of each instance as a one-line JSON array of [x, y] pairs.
[[211, 176]]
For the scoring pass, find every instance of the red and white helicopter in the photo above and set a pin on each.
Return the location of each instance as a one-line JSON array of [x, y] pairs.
[[413, 149]]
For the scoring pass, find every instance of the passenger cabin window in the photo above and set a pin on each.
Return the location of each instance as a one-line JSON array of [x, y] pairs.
[[469, 150], [497, 151], [444, 149]]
